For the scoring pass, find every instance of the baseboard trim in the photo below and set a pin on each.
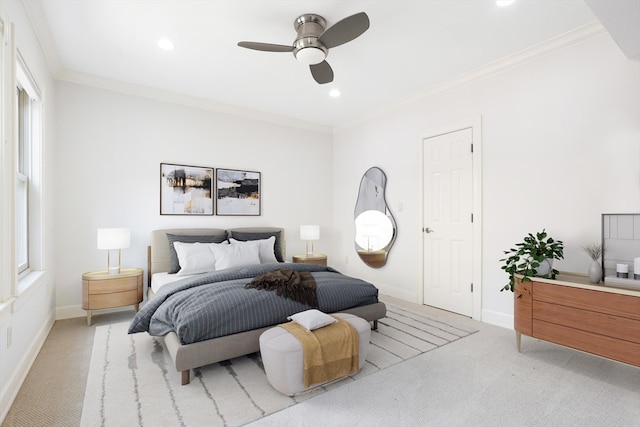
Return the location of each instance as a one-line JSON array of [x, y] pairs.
[[498, 319], [10, 392]]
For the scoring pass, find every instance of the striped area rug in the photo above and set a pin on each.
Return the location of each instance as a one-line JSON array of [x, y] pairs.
[[132, 381]]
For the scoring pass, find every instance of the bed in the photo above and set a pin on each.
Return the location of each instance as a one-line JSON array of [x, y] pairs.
[[173, 294]]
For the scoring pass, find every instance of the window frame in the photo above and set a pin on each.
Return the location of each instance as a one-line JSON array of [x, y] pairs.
[[28, 139]]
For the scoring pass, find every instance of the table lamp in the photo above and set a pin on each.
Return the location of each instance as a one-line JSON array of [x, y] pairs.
[[111, 239], [310, 233]]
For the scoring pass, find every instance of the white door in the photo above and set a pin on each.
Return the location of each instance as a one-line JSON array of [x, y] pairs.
[[447, 222]]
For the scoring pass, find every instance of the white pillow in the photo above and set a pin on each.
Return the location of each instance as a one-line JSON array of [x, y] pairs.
[[312, 319], [194, 258], [266, 248], [228, 256]]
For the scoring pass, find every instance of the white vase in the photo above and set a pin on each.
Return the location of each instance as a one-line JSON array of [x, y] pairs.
[[595, 272], [545, 267]]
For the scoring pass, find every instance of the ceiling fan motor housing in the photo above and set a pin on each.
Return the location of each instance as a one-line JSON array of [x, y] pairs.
[[306, 48]]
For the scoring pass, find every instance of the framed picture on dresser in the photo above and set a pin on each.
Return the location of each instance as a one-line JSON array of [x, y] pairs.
[[237, 192], [186, 190]]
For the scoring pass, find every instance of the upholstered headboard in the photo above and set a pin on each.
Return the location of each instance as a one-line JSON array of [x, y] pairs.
[[159, 259]]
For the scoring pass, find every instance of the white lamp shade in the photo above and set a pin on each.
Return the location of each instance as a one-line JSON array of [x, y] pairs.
[[310, 232], [114, 238]]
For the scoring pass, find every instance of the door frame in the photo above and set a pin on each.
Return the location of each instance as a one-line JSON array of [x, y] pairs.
[[475, 124]]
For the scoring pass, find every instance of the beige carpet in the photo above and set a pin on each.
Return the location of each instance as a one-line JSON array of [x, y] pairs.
[[132, 382]]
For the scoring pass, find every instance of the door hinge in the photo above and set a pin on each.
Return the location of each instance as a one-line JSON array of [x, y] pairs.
[[471, 287], [471, 217], [472, 148]]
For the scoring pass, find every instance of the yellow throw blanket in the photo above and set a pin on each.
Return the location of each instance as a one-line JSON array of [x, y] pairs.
[[330, 352]]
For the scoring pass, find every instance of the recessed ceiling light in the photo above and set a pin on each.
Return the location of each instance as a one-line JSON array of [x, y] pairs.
[[334, 93], [503, 3], [165, 44]]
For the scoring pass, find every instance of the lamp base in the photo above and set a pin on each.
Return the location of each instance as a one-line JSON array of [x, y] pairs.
[[114, 270]]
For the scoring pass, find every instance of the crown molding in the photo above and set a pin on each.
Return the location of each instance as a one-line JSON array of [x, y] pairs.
[[40, 26], [187, 101], [553, 45]]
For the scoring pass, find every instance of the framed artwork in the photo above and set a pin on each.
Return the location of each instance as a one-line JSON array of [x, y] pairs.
[[238, 192], [186, 190]]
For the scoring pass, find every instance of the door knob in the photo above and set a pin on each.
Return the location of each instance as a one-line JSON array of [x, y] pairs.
[[428, 230]]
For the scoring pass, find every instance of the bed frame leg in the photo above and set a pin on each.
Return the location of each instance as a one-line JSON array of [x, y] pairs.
[[186, 377], [375, 325]]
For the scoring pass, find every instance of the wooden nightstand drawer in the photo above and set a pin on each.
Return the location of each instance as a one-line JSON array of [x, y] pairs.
[[110, 286], [319, 259], [117, 299]]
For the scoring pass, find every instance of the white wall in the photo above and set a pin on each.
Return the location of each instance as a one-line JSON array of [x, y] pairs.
[[108, 159], [26, 319], [561, 146]]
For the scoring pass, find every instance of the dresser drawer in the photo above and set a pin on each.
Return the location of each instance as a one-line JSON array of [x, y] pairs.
[[587, 299], [618, 327]]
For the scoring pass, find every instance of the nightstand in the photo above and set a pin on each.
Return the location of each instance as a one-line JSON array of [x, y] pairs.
[[102, 290], [320, 259]]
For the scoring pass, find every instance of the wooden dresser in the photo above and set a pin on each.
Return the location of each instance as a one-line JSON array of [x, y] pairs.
[[596, 319]]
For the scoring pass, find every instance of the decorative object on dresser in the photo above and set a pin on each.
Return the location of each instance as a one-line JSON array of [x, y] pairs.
[[186, 190], [591, 318], [237, 192], [532, 257], [113, 239], [376, 228], [595, 268], [621, 250], [219, 318], [101, 290]]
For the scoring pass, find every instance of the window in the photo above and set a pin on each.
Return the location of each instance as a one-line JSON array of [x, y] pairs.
[[28, 127], [22, 180]]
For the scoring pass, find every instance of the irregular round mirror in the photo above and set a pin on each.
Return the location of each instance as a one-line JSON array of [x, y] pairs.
[[375, 227]]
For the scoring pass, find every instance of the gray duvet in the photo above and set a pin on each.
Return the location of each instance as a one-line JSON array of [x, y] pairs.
[[216, 304]]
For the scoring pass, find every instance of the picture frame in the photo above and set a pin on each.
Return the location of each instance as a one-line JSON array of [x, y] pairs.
[[238, 192], [186, 190]]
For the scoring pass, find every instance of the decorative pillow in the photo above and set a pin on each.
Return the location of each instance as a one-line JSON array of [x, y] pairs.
[[194, 258], [265, 248], [228, 256], [253, 235], [173, 257], [312, 319]]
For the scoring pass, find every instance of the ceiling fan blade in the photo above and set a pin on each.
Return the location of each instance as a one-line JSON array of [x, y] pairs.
[[266, 47], [345, 31], [322, 72]]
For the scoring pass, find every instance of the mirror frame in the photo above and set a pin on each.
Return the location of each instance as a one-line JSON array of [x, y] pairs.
[[372, 198]]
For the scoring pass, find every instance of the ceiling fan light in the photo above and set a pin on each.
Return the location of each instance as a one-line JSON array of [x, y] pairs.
[[310, 55]]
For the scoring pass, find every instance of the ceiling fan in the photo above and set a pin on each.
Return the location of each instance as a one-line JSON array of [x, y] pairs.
[[313, 42]]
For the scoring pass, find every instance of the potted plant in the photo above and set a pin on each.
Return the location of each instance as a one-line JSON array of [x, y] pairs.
[[532, 257]]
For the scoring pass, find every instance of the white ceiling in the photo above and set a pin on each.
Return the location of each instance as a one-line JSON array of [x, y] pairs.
[[409, 47]]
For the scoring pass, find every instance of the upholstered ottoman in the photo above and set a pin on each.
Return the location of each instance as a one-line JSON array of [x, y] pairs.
[[282, 355]]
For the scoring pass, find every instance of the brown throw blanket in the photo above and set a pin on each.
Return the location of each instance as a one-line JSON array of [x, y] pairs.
[[296, 285], [329, 353]]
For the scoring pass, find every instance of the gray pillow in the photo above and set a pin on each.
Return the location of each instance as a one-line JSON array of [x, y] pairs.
[[173, 256], [253, 235]]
